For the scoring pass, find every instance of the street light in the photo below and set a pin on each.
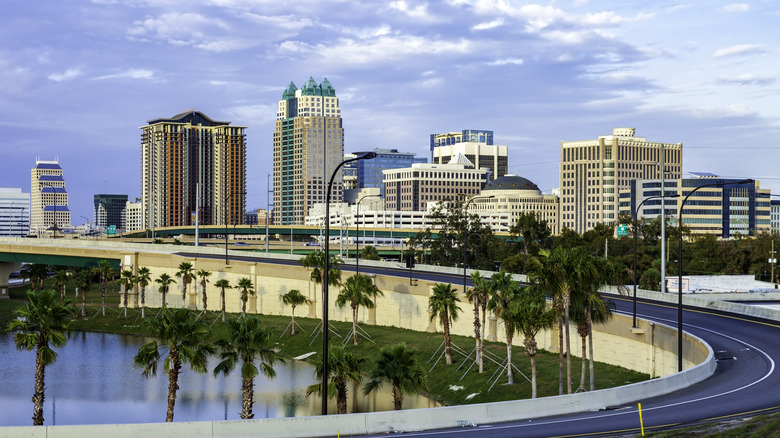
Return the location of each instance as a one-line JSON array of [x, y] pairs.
[[357, 232], [636, 223], [465, 233], [227, 199], [679, 264], [324, 388]]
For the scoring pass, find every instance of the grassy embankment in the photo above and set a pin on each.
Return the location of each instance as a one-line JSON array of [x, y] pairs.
[[439, 380]]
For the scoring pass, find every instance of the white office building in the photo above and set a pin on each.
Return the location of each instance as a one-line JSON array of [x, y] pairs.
[[14, 212]]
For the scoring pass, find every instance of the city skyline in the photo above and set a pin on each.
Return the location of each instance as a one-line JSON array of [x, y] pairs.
[[84, 76]]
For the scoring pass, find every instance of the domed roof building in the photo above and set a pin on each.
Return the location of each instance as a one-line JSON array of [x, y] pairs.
[[511, 196]]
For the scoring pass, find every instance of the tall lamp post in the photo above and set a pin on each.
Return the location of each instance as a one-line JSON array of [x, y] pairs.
[[465, 232], [679, 265], [325, 285], [636, 225], [227, 199], [357, 232]]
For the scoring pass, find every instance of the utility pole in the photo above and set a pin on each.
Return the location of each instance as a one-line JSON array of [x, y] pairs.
[[773, 260]]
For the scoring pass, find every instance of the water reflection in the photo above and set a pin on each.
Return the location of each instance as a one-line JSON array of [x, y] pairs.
[[94, 382]]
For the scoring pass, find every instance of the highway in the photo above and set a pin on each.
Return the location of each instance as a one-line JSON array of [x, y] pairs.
[[744, 383]]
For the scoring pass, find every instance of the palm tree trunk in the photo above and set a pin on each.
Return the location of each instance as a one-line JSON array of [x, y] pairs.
[[476, 334], [243, 305], [173, 382], [354, 325], [398, 396], [509, 376], [62, 293], [143, 302], [164, 290], [125, 301], [584, 361], [222, 297], [560, 354], [447, 344], [40, 388], [566, 324], [247, 398], [292, 324], [530, 349], [84, 303], [204, 301], [590, 347], [341, 396], [103, 289], [482, 338]]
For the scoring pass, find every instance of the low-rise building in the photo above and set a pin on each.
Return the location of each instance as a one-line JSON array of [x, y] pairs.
[[505, 199]]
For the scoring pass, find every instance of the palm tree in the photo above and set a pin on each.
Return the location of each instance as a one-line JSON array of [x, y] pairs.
[[477, 295], [204, 278], [359, 290], [36, 273], [443, 304], [187, 274], [104, 270], [83, 282], [247, 288], [502, 290], [185, 340], [127, 280], [143, 278], [61, 279], [316, 262], [223, 284], [294, 298], [41, 325], [369, 252], [530, 315], [247, 340], [164, 280], [344, 366], [396, 365]]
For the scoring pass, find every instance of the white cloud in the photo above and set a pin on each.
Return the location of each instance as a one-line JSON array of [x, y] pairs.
[[133, 73], [485, 25], [506, 61], [746, 79], [738, 50], [67, 75], [419, 12], [736, 7]]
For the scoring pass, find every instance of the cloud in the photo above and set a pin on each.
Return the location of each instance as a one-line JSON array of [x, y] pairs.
[[736, 7], [485, 25], [506, 61], [419, 12], [133, 73], [746, 79], [67, 75], [738, 50]]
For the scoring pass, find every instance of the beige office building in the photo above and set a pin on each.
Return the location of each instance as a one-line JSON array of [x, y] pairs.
[[308, 146], [592, 173], [48, 198], [414, 188], [494, 158], [512, 196]]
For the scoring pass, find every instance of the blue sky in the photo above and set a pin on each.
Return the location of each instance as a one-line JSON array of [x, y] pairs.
[[80, 77]]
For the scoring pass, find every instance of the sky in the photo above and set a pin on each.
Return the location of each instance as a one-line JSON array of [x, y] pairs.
[[80, 77]]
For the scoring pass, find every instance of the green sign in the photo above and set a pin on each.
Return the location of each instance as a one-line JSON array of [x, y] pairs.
[[111, 230], [622, 230]]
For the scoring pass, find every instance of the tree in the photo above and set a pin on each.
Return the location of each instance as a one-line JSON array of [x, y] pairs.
[[164, 280], [41, 325], [530, 314], [181, 339], [61, 279], [83, 282], [247, 288], [36, 273], [204, 275], [443, 303], [223, 284], [294, 298], [477, 296], [143, 278], [502, 290], [316, 262], [593, 309], [247, 341], [369, 252], [344, 367], [359, 290], [128, 280], [530, 230], [187, 274], [397, 366], [104, 270]]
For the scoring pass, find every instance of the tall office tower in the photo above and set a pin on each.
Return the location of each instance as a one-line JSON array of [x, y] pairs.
[[184, 152], [494, 158], [467, 135], [593, 171], [369, 172], [134, 217], [308, 145], [48, 198], [110, 210], [14, 212]]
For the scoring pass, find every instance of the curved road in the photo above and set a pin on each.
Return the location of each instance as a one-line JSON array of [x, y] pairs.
[[745, 381]]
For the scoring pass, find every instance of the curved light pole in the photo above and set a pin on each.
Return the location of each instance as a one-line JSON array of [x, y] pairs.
[[227, 198], [324, 388], [357, 232], [679, 264], [465, 233], [636, 225]]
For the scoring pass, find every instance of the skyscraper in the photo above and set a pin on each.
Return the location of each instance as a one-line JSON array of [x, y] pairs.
[[14, 212], [183, 152], [308, 145], [594, 171], [110, 210], [369, 172], [48, 198]]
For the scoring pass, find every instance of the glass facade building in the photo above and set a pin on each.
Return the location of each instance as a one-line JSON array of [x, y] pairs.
[[110, 210], [369, 172]]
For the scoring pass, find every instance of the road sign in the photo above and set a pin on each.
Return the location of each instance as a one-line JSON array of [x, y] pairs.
[[622, 230], [111, 230]]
